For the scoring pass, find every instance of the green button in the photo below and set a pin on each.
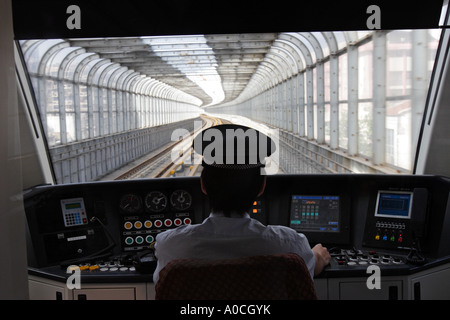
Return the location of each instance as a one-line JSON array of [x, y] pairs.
[[139, 240]]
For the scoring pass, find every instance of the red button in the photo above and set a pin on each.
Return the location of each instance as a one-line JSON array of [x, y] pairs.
[[158, 223], [167, 222], [178, 222], [187, 221]]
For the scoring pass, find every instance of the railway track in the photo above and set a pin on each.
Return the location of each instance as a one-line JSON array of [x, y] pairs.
[[162, 163]]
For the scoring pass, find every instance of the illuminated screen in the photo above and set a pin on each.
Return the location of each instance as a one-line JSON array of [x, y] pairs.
[[314, 213], [76, 205], [394, 204]]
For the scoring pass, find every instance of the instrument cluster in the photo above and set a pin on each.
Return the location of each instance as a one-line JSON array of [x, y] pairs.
[[155, 201]]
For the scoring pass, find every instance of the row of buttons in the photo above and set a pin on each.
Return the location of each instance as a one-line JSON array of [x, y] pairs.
[[128, 225], [139, 240], [390, 225], [389, 236], [366, 260], [353, 258], [106, 267]]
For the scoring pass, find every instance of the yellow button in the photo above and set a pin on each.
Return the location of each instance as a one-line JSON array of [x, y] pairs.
[[148, 224], [94, 267], [128, 225], [82, 268]]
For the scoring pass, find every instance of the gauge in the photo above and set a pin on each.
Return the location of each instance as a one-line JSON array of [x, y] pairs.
[[156, 201], [180, 200], [130, 203]]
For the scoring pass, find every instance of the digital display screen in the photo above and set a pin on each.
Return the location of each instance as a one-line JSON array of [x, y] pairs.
[[318, 213], [76, 205], [394, 204]]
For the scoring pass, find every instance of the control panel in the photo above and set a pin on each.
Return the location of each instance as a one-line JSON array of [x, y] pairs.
[[146, 215], [397, 220], [94, 225]]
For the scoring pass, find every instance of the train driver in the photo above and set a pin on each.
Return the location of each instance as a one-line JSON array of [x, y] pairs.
[[233, 158]]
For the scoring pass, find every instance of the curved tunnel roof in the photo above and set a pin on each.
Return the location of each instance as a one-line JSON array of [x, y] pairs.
[[203, 70]]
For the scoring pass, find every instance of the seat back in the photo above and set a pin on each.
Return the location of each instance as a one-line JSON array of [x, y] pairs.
[[265, 277]]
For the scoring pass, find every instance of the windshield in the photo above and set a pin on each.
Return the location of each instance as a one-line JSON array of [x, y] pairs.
[[336, 102]]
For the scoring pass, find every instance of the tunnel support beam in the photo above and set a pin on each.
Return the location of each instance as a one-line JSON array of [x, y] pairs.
[[320, 103], [334, 102], [310, 103], [301, 104], [352, 100], [379, 98]]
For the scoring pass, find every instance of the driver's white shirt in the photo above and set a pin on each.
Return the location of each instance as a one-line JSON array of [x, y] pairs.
[[220, 237]]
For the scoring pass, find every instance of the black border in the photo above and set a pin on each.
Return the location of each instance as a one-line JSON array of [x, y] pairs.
[[46, 19]]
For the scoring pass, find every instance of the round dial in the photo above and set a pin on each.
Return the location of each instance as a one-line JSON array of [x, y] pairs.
[[130, 203], [180, 200], [156, 201]]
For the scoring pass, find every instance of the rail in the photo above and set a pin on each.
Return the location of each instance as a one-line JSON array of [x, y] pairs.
[[162, 163]]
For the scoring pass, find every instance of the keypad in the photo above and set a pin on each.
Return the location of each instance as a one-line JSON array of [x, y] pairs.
[[73, 219]]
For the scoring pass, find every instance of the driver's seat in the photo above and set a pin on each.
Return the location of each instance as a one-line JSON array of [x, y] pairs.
[[265, 277]]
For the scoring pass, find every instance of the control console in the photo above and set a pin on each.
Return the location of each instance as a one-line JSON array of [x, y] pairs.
[[397, 220], [398, 223]]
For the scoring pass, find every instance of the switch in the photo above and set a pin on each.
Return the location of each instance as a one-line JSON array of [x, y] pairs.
[[128, 225], [148, 224], [139, 240], [158, 223]]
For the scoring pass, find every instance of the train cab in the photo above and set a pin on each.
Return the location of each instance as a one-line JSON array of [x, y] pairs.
[[103, 102]]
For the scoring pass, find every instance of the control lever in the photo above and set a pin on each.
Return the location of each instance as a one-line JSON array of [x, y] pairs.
[[414, 256]]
